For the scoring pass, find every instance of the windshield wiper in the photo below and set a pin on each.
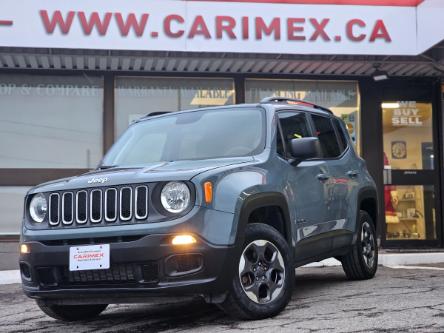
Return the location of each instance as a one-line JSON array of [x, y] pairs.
[[104, 167]]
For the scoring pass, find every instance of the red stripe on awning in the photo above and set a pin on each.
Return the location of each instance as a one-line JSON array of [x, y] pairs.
[[401, 3]]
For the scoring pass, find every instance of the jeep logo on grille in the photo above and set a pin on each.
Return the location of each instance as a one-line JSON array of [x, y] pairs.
[[100, 180]]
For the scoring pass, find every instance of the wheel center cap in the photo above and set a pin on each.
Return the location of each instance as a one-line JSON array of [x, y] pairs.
[[260, 271]]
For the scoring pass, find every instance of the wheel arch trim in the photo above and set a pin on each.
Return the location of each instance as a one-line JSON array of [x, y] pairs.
[[367, 193], [260, 200]]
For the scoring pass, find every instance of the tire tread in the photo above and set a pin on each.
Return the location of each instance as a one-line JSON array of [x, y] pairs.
[[352, 264]]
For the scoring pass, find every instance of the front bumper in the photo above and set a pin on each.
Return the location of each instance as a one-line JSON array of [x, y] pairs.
[[139, 268]]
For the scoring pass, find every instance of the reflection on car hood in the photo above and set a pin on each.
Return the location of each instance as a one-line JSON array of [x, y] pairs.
[[163, 171]]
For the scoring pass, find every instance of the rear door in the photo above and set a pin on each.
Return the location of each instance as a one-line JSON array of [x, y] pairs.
[[343, 174]]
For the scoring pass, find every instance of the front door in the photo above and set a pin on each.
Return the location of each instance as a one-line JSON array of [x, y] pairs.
[[308, 187], [411, 179]]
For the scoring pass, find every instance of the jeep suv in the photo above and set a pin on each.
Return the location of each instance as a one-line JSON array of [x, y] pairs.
[[221, 202]]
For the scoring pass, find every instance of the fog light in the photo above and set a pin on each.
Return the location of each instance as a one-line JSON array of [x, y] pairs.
[[183, 264], [183, 240], [24, 249]]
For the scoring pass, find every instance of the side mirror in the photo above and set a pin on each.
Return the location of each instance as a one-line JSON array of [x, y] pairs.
[[304, 149]]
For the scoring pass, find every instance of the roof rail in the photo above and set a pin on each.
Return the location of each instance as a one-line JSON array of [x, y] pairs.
[[152, 114], [277, 99], [156, 113]]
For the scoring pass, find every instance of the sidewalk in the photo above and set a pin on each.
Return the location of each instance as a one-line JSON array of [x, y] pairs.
[[9, 255]]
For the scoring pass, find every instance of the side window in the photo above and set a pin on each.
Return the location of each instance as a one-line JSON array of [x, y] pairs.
[[294, 126], [341, 135], [327, 136]]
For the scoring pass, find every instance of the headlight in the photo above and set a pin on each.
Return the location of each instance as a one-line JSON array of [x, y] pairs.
[[175, 197], [38, 208]]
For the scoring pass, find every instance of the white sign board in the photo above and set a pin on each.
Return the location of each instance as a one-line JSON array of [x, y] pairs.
[[89, 257], [220, 26]]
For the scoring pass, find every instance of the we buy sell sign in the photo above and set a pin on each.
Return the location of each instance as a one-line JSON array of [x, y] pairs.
[[367, 27]]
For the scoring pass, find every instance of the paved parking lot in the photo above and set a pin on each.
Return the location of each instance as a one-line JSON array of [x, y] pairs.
[[395, 301]]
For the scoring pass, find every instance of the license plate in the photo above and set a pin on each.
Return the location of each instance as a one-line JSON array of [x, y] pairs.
[[89, 257]]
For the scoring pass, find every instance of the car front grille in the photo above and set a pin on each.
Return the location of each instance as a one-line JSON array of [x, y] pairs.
[[98, 206]]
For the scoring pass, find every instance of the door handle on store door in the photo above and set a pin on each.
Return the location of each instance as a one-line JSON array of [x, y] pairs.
[[353, 173], [323, 177]]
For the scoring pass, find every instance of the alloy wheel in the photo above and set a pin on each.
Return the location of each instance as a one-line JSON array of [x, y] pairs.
[[368, 245], [262, 271]]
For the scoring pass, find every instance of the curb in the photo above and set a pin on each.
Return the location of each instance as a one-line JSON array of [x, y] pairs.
[[392, 259], [402, 259]]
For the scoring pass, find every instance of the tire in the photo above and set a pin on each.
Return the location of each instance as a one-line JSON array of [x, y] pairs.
[[266, 269], [361, 262], [71, 312]]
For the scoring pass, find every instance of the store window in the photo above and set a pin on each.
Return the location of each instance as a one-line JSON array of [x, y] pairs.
[[50, 121], [410, 212], [408, 135], [138, 96], [409, 175], [11, 206], [342, 97]]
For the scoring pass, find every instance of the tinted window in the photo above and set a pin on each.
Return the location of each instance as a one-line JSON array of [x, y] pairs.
[[294, 126], [327, 136], [341, 134], [341, 97]]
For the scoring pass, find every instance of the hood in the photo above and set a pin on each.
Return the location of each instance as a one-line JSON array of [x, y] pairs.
[[164, 171]]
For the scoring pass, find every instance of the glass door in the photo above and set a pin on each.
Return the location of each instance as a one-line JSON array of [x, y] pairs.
[[410, 173]]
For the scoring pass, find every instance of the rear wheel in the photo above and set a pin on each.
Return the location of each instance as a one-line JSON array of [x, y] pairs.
[[362, 261], [263, 283], [71, 312]]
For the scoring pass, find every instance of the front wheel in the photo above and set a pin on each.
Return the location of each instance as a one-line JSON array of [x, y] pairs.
[[362, 261], [262, 285], [71, 312]]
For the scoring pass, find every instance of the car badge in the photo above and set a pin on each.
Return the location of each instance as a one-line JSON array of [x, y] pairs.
[[100, 180]]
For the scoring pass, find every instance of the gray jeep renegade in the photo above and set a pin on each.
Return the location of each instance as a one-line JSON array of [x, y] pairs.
[[222, 203]]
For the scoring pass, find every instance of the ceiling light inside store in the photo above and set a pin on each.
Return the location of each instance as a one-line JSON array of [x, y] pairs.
[[390, 105]]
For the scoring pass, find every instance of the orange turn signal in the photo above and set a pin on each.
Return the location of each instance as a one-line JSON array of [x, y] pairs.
[[24, 249], [208, 190], [183, 240]]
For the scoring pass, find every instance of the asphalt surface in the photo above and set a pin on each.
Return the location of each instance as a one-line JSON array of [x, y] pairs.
[[397, 300]]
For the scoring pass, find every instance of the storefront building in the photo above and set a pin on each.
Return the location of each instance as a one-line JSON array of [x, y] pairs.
[[74, 76]]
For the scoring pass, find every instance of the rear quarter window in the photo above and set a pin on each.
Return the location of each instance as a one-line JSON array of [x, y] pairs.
[[342, 136]]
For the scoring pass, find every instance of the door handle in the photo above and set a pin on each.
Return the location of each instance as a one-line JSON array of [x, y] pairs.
[[353, 173], [323, 177]]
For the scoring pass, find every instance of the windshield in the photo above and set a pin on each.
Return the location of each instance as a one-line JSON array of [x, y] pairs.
[[202, 134]]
